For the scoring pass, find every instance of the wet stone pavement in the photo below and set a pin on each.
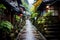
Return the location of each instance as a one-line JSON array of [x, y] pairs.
[[29, 32]]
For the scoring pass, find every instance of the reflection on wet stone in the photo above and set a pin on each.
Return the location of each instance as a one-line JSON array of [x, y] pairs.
[[29, 33]]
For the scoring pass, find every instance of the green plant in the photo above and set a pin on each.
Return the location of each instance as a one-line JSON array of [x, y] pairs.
[[6, 25], [17, 18], [2, 6]]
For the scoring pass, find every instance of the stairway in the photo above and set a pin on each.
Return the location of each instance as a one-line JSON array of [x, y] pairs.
[[52, 30]]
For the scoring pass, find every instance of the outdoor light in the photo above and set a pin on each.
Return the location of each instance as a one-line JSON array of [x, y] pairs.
[[47, 6], [23, 12], [35, 18], [45, 29]]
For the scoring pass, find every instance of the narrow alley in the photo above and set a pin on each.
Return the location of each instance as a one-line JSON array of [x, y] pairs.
[[29, 32], [29, 20]]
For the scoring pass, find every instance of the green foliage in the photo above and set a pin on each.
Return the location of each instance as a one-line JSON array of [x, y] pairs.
[[34, 15], [32, 9], [17, 18], [41, 20], [6, 25], [47, 14], [25, 4], [2, 6], [44, 18]]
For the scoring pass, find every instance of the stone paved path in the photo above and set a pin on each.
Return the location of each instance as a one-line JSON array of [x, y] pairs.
[[29, 32]]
